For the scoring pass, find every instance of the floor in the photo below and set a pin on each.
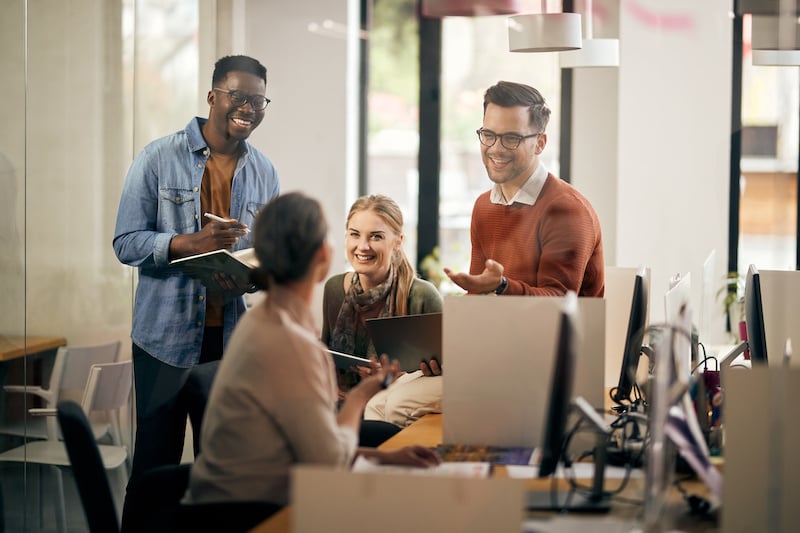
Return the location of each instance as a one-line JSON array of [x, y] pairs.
[[20, 491]]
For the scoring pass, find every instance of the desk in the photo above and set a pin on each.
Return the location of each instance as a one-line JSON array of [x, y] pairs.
[[427, 431], [18, 349], [16, 346]]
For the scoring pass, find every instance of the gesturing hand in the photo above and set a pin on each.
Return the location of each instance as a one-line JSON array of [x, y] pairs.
[[485, 282]]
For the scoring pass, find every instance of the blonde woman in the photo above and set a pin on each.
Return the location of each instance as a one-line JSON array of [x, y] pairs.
[[382, 283]]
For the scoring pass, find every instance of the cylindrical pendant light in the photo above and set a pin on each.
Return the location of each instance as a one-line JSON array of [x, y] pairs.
[[593, 52], [468, 8], [544, 32]]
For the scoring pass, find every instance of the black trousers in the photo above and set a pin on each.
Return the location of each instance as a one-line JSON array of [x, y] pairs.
[[165, 395]]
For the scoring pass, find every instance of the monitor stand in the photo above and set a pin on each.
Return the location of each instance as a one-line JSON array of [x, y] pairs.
[[575, 502], [566, 501]]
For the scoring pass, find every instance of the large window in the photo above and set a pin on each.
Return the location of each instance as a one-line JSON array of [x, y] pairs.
[[393, 110], [768, 184], [474, 56]]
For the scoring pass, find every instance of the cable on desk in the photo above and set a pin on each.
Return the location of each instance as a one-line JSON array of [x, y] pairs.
[[698, 505]]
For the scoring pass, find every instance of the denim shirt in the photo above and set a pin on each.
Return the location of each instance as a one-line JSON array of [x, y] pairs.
[[161, 199]]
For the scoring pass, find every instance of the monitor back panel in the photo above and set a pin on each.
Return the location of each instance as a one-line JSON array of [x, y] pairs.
[[500, 354], [780, 294]]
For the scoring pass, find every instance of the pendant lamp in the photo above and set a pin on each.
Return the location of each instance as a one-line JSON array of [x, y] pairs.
[[468, 8], [594, 52], [544, 32]]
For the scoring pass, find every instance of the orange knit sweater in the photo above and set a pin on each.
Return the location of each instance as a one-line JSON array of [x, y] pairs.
[[546, 249]]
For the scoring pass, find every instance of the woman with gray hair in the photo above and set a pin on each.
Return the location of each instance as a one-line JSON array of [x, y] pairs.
[[273, 404]]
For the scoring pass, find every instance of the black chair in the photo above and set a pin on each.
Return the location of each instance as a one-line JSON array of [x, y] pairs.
[[153, 505], [231, 517], [88, 469], [372, 433]]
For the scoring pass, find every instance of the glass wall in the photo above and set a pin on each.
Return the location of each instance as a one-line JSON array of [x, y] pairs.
[[88, 83]]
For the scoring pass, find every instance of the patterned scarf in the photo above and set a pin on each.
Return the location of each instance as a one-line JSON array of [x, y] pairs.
[[350, 335]]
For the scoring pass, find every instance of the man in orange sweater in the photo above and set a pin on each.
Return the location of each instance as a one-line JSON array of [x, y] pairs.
[[532, 233]]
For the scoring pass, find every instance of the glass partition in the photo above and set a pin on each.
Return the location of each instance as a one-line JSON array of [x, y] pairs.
[[87, 85]]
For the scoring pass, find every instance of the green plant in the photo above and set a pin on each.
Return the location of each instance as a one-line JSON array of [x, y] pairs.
[[732, 294], [431, 267]]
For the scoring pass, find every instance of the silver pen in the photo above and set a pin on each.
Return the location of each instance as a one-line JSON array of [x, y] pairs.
[[220, 219]]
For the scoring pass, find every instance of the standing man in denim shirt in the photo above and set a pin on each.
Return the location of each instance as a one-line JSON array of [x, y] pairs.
[[178, 323]]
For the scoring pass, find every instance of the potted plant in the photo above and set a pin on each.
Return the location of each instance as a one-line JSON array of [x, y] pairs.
[[733, 305]]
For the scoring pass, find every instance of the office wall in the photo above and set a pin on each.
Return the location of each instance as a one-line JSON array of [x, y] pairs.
[[12, 171], [595, 109], [674, 98], [309, 130], [62, 145]]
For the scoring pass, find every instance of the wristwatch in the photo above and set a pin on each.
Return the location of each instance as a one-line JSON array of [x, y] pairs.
[[502, 287]]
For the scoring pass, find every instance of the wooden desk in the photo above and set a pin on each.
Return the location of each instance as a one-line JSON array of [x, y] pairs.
[[15, 351], [16, 346], [427, 431]]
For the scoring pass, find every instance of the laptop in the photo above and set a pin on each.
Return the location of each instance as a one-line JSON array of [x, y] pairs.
[[410, 339]]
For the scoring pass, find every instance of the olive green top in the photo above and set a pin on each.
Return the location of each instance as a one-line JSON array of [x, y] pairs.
[[423, 298]]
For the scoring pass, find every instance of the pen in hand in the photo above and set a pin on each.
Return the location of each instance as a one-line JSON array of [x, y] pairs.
[[220, 219]]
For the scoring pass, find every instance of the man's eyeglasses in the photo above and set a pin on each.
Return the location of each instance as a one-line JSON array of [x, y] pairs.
[[238, 99], [509, 140]]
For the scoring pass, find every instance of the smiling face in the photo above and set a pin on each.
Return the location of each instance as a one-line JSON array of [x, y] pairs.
[[228, 123], [370, 245], [511, 167]]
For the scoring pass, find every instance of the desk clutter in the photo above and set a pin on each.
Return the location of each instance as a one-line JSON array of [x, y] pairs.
[[686, 440]]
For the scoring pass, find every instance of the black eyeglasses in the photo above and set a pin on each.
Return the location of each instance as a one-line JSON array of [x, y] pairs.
[[509, 140], [238, 99]]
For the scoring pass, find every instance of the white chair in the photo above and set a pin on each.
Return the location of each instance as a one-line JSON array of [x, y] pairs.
[[107, 389], [70, 372]]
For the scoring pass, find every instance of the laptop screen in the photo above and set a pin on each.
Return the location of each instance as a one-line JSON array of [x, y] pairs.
[[410, 339]]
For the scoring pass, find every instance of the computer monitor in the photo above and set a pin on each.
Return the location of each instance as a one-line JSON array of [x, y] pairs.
[[705, 327], [754, 317], [561, 386], [558, 413], [634, 339], [678, 313]]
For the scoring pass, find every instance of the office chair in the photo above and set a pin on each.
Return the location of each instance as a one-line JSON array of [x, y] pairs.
[[88, 468], [373, 433], [107, 389], [70, 372], [153, 505]]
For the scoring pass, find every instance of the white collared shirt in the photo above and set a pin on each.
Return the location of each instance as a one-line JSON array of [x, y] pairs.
[[527, 194]]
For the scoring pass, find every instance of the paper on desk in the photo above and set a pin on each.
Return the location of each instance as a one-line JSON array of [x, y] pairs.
[[461, 469], [571, 524], [579, 471]]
